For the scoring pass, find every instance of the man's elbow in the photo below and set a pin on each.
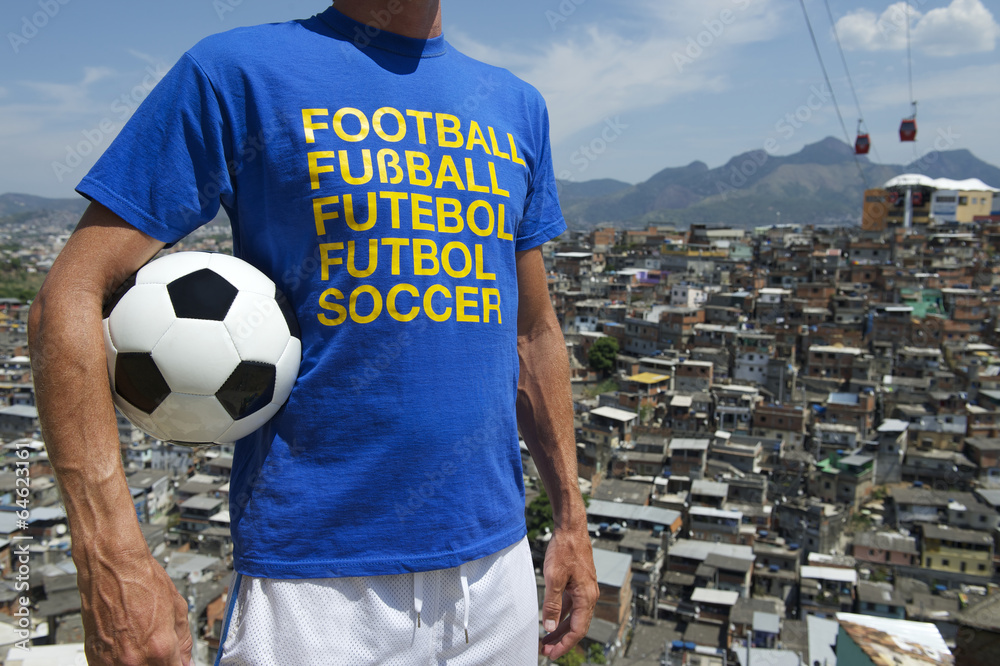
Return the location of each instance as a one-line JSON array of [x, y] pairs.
[[36, 315], [545, 327]]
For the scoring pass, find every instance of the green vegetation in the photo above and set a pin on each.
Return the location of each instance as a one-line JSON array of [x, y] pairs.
[[538, 515], [860, 522], [602, 355], [572, 658], [596, 655], [16, 282], [601, 387]]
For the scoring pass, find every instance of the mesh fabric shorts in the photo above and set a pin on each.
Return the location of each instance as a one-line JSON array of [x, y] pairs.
[[373, 620]]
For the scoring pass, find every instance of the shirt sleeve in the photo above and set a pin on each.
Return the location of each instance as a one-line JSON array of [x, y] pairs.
[[543, 218], [166, 171]]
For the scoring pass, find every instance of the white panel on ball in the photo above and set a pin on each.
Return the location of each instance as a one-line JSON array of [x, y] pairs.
[[172, 266], [191, 418], [196, 356], [110, 352], [286, 371], [139, 418], [241, 275], [141, 318], [257, 327]]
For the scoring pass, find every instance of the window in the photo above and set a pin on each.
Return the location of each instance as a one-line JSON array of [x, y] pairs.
[[945, 563], [963, 201]]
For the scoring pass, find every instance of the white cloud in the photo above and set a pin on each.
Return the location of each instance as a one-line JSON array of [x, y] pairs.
[[964, 26], [645, 57], [70, 97]]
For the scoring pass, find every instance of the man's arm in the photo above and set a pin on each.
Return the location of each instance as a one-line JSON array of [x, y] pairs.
[[545, 418], [132, 613]]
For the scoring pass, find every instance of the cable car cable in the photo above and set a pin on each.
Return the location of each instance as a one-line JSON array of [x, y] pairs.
[[850, 81], [826, 77], [908, 128], [909, 58]]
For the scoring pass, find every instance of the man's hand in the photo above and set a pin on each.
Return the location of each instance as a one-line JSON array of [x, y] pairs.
[[132, 613], [571, 591]]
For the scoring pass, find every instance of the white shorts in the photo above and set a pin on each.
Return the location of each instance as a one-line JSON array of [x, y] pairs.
[[373, 620]]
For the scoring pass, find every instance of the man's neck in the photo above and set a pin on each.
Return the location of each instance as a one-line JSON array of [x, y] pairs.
[[420, 19]]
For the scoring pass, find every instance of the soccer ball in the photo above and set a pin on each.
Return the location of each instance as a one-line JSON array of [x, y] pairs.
[[201, 347]]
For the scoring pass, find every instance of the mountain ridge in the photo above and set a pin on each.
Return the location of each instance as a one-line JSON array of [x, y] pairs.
[[822, 183]]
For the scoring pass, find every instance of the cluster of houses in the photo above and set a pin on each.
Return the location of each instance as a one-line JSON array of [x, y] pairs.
[[802, 428]]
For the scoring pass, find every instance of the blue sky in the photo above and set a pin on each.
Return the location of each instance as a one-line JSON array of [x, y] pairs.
[[641, 84]]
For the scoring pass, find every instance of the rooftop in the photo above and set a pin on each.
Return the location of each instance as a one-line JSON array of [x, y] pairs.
[[688, 444], [694, 549], [709, 596], [614, 414], [648, 378], [612, 568], [829, 573], [886, 641], [945, 533], [632, 512]]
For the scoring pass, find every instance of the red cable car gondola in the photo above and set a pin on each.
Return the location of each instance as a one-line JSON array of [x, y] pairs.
[[862, 144], [908, 128]]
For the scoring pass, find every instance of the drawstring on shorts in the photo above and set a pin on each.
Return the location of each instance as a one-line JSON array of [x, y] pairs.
[[418, 593], [418, 597], [465, 597]]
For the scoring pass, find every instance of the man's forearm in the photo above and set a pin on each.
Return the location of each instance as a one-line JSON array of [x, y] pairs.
[[76, 412], [545, 417], [69, 369]]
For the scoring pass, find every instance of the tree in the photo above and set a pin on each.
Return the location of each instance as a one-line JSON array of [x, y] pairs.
[[602, 355], [596, 655], [538, 516], [571, 658]]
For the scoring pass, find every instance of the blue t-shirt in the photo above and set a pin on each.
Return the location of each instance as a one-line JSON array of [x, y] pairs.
[[384, 183]]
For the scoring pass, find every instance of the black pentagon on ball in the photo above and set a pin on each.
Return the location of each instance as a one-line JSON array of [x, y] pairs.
[[138, 380], [202, 294], [249, 388], [288, 313]]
